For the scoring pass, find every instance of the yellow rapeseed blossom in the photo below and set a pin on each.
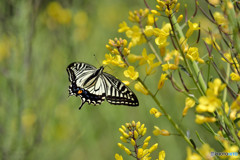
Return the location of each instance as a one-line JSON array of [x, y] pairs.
[[189, 103], [202, 119], [123, 27], [140, 88], [157, 131], [211, 102], [146, 58], [155, 112], [205, 151], [148, 31], [161, 40], [220, 19], [212, 41], [215, 87], [236, 104], [161, 155], [131, 73], [114, 60], [162, 80], [5, 48], [136, 35], [179, 19], [28, 119], [214, 2], [166, 67], [208, 103], [136, 15], [235, 76], [133, 58], [230, 149], [192, 27], [192, 53], [134, 132], [118, 157], [59, 14], [192, 156], [150, 69]]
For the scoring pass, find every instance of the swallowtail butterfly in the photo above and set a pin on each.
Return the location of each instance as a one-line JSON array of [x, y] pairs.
[[94, 86]]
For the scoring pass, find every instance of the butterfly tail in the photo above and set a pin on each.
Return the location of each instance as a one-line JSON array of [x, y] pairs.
[[81, 104]]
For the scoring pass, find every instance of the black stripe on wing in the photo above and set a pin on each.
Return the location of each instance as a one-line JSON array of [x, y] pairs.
[[118, 93]]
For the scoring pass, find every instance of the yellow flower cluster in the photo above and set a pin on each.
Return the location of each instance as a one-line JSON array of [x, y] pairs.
[[210, 102], [131, 133], [155, 112], [169, 6], [58, 14], [118, 49]]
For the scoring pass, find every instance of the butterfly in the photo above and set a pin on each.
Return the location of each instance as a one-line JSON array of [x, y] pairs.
[[94, 86]]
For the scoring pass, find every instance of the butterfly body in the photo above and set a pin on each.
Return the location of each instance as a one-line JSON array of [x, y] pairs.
[[94, 86]]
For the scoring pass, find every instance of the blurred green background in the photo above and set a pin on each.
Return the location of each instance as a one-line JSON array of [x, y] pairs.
[[38, 39]]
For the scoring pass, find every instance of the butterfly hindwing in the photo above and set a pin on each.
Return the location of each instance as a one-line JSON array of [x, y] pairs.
[[94, 86], [118, 93]]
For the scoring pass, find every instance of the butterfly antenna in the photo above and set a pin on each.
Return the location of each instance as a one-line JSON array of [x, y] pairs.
[[97, 60]]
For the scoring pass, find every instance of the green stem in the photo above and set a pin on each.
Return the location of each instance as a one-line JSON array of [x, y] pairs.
[[233, 23], [201, 85], [175, 125]]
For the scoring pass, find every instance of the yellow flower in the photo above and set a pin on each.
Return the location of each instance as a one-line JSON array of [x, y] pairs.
[[192, 27], [161, 155], [146, 58], [162, 80], [148, 31], [208, 104], [133, 58], [157, 131], [166, 67], [161, 40], [114, 60], [236, 104], [140, 88], [189, 103], [216, 86], [136, 35], [179, 19], [59, 14], [153, 148], [205, 151], [155, 112], [214, 2], [220, 19], [230, 149], [202, 119], [5, 48], [81, 19], [131, 73], [126, 83], [192, 53], [118, 157], [212, 41], [235, 77], [151, 19], [123, 27], [150, 68], [192, 156]]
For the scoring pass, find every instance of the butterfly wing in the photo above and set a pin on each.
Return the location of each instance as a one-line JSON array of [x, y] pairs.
[[117, 92], [85, 82]]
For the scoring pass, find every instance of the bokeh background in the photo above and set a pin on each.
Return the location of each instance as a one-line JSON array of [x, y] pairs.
[[38, 39]]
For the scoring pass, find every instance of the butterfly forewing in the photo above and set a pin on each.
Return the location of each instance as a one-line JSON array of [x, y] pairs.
[[94, 86]]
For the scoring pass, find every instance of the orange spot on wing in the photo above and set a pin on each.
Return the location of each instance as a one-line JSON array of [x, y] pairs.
[[80, 91]]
